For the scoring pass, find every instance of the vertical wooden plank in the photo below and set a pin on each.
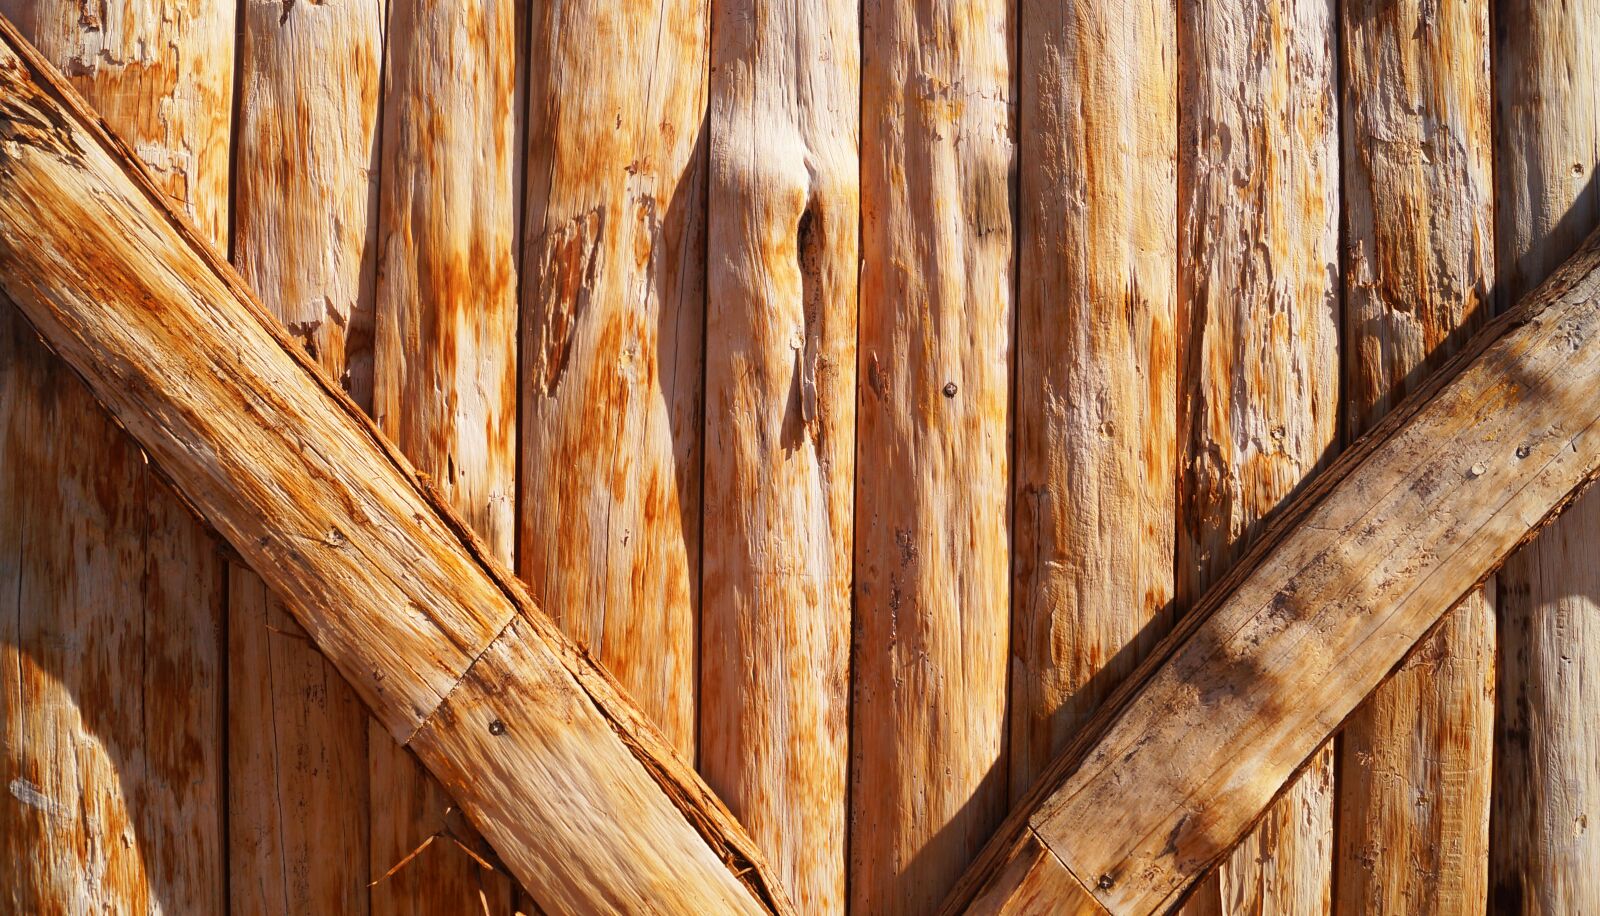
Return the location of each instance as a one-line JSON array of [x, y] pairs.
[[612, 331], [444, 370], [1414, 764], [110, 642], [783, 245], [1096, 454], [1258, 192], [933, 541], [1547, 738], [305, 168]]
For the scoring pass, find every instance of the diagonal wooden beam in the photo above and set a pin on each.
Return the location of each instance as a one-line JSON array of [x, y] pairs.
[[578, 793], [1356, 571]]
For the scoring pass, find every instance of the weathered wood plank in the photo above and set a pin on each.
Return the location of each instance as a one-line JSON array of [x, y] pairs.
[[1546, 789], [110, 650], [612, 331], [444, 367], [1259, 302], [1033, 882], [304, 211], [583, 796], [1199, 743], [783, 244], [932, 567], [1096, 362], [1414, 762]]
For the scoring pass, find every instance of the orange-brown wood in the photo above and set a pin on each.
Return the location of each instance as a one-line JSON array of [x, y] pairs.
[[932, 582], [565, 777], [444, 369], [1258, 298], [612, 327], [783, 262], [111, 716], [1202, 741], [1414, 760], [1096, 362], [305, 167]]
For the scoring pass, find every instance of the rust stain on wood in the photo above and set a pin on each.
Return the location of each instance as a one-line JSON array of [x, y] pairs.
[[613, 320], [109, 648]]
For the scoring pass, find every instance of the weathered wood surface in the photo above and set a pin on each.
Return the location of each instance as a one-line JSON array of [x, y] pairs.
[[1546, 792], [1198, 744], [306, 144], [612, 329], [928, 781], [1415, 758], [110, 644], [580, 793], [1096, 362], [444, 367], [1258, 299], [782, 271]]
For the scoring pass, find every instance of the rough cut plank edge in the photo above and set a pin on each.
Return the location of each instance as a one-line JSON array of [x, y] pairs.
[[998, 853], [688, 794]]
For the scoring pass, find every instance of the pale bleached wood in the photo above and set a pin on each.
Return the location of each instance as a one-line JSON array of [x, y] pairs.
[[304, 211], [932, 560], [1361, 567], [444, 367], [782, 268], [582, 794], [1546, 792], [1414, 762], [1259, 303], [1096, 362], [111, 657], [612, 331]]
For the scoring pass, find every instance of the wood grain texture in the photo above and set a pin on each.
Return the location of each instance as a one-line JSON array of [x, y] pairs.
[[444, 370], [1201, 741], [1096, 362], [1415, 759], [304, 215], [928, 780], [1033, 882], [612, 334], [783, 216], [1547, 739], [588, 801], [1259, 290], [110, 650]]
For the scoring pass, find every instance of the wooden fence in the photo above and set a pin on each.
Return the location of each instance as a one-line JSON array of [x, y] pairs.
[[868, 386]]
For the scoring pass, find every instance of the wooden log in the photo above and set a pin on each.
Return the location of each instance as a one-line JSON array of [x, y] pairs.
[[1547, 739], [1198, 744], [299, 818], [612, 332], [565, 777], [783, 216], [1414, 761], [111, 719], [928, 780], [444, 369], [1096, 362], [1258, 297]]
